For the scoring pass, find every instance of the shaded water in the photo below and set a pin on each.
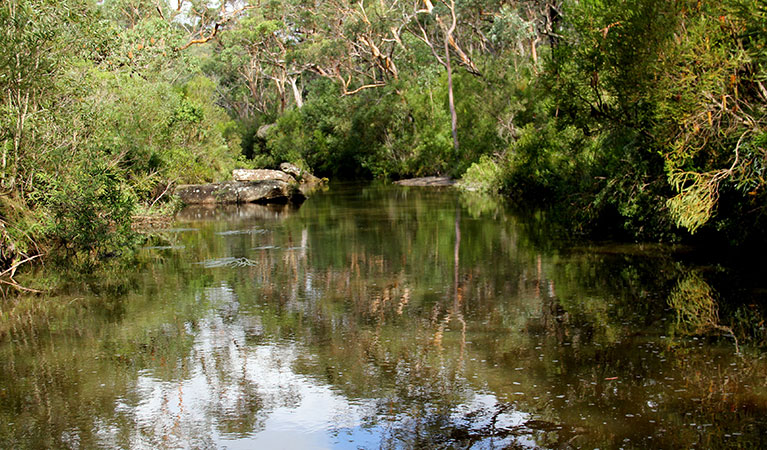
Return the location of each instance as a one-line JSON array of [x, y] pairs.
[[388, 317]]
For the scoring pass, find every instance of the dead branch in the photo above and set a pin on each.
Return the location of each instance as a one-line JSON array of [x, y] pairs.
[[15, 266], [167, 188], [16, 285], [366, 86], [216, 27]]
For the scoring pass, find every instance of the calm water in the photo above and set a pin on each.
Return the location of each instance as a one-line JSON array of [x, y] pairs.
[[387, 317]]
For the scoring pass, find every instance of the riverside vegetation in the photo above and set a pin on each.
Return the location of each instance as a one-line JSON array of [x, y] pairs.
[[643, 118], [432, 318]]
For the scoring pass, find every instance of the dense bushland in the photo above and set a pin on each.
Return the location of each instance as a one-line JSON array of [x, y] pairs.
[[643, 118], [99, 116], [655, 120]]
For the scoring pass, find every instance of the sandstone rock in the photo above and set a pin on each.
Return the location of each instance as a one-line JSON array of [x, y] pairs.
[[291, 169], [427, 181], [269, 191], [198, 194], [308, 178], [261, 175], [301, 175]]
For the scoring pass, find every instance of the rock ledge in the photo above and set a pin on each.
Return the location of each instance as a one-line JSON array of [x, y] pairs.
[[228, 192], [427, 181], [288, 185]]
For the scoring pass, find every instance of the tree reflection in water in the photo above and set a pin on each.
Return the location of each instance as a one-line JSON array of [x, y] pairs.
[[380, 318]]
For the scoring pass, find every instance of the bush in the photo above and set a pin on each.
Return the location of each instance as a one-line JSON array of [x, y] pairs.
[[90, 213], [482, 176]]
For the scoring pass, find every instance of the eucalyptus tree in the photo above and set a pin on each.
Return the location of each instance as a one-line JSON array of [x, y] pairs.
[[99, 112], [38, 37], [443, 41], [344, 41]]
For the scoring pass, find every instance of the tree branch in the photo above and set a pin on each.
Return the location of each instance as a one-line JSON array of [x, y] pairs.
[[216, 27], [367, 86]]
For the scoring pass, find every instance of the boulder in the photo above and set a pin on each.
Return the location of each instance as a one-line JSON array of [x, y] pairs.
[[308, 178], [268, 191], [262, 175], [291, 169], [301, 175]]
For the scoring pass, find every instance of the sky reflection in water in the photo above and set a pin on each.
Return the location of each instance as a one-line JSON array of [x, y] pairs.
[[383, 317]]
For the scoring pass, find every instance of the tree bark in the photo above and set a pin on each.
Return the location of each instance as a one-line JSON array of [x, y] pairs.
[[450, 99], [281, 90], [296, 93]]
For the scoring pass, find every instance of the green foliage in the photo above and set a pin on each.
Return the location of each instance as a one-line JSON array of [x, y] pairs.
[[159, 133], [544, 161], [694, 204], [603, 80], [713, 119], [708, 110], [482, 176], [358, 136], [90, 212], [387, 132], [653, 108], [106, 116], [644, 118], [316, 133], [509, 28]]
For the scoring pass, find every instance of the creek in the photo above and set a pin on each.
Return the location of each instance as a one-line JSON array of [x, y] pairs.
[[391, 317]]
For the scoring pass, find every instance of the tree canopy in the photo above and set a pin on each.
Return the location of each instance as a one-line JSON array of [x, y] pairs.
[[643, 117]]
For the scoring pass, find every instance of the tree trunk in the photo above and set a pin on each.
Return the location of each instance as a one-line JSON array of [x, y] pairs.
[[533, 50], [5, 148], [281, 90], [296, 93], [450, 99]]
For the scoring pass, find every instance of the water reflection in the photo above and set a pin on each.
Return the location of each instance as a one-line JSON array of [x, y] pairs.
[[696, 308], [247, 211], [384, 318]]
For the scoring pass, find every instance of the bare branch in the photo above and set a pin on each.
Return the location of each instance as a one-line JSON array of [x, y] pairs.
[[16, 265], [16, 285], [216, 27], [367, 86]]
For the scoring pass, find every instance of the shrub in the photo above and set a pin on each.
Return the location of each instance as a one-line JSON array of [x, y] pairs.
[[90, 212]]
